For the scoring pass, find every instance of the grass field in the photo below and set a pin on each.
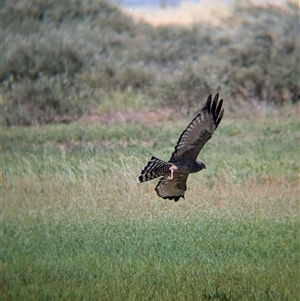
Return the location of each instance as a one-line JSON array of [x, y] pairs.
[[77, 226]]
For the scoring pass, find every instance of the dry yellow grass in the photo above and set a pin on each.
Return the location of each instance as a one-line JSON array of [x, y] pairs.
[[117, 196], [188, 13]]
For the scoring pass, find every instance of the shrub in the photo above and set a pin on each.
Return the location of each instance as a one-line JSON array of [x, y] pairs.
[[62, 58], [35, 56]]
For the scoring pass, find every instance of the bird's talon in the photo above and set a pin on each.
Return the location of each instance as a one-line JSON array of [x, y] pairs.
[[171, 176]]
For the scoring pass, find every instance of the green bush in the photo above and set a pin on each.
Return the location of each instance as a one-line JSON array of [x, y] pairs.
[[36, 56]]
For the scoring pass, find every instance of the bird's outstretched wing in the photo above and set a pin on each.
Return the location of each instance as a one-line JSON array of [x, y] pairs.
[[172, 189], [199, 131]]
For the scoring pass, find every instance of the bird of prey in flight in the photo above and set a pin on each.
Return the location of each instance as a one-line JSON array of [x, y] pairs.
[[174, 173]]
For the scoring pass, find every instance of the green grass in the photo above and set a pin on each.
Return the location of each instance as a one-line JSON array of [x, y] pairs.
[[196, 259], [75, 225]]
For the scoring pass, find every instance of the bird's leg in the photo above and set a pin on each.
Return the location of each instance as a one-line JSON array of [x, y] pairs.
[[171, 176], [172, 168]]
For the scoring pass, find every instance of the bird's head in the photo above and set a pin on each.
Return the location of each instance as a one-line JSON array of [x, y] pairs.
[[201, 165]]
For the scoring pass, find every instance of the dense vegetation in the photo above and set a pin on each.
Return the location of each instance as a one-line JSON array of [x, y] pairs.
[[63, 59]]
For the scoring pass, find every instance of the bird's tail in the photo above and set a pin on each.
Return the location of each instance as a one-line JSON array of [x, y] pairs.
[[153, 169]]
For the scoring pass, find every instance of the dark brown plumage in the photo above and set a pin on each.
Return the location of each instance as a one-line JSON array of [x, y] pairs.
[[174, 173]]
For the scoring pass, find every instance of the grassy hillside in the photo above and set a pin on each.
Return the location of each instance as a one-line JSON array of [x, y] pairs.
[[63, 60]]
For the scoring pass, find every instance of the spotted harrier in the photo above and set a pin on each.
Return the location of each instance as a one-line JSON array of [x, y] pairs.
[[174, 173]]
